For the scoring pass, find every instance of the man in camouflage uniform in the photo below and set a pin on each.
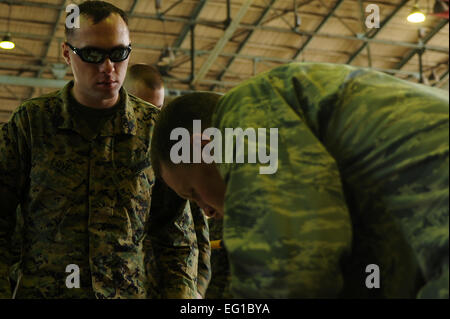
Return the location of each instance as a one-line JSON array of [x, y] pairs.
[[77, 162], [361, 178], [145, 82]]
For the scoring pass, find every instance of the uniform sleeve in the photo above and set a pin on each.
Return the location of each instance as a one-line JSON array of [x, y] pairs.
[[286, 232], [172, 235], [13, 155], [204, 249]]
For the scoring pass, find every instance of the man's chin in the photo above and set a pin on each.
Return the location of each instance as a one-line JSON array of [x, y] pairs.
[[108, 94]]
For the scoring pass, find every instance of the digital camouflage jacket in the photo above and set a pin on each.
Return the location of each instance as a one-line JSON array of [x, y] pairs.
[[361, 180], [92, 201]]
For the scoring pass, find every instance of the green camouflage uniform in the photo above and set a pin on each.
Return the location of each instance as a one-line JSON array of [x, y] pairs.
[[85, 200], [219, 286], [203, 246], [362, 179]]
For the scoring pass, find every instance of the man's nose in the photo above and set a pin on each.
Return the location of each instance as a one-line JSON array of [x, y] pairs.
[[107, 66]]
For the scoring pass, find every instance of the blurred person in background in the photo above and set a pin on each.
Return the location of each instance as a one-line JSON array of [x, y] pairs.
[[144, 81]]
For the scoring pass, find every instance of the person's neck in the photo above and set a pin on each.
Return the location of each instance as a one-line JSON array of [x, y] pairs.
[[94, 103]]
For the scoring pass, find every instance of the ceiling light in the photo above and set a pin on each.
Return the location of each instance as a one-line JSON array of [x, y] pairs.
[[7, 43], [416, 16]]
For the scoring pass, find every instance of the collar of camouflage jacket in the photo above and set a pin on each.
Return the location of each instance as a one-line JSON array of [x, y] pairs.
[[124, 122]]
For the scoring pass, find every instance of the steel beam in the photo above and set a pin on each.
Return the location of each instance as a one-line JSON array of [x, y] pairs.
[[187, 52], [364, 27], [244, 42], [32, 82], [52, 34], [442, 79], [281, 30], [345, 37], [325, 20], [222, 42], [423, 43], [194, 15], [171, 7], [192, 52], [133, 7], [158, 17], [48, 43], [371, 34], [6, 87], [9, 98]]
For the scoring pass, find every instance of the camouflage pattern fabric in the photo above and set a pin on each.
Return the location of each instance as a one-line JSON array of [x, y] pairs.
[[165, 221], [85, 200], [219, 286], [204, 249], [362, 179], [16, 250]]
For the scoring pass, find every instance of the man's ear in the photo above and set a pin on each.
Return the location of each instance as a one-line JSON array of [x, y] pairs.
[[66, 52]]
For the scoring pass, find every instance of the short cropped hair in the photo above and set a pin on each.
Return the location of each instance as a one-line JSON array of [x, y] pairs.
[[97, 11], [147, 74], [180, 112]]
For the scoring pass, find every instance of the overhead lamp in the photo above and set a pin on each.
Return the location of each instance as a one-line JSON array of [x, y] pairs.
[[7, 42], [416, 16]]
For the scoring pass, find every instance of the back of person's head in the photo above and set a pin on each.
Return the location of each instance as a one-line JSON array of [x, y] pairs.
[[145, 82], [180, 113], [96, 11], [145, 73]]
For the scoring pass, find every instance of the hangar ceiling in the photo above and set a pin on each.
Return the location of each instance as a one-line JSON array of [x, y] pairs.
[[215, 44]]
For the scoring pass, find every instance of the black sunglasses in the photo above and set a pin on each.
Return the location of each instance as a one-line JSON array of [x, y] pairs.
[[96, 55]]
